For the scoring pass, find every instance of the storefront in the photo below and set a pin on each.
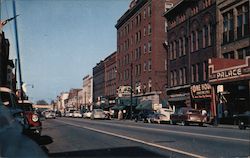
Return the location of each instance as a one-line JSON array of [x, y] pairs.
[[201, 97], [230, 80], [179, 96]]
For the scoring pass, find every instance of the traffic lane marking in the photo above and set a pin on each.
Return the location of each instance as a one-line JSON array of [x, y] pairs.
[[137, 140], [178, 132]]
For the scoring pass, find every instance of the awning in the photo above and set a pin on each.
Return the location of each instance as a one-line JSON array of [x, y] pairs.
[[118, 107], [145, 105], [181, 98]]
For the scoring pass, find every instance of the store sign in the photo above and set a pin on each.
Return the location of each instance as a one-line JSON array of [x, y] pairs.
[[201, 90], [229, 73], [124, 91]]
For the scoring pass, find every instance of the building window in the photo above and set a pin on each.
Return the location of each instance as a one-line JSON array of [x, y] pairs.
[[145, 48], [149, 10], [229, 55], [149, 29], [242, 20], [171, 78], [149, 65], [228, 27], [184, 76], [166, 65], [149, 46], [180, 47], [144, 31], [193, 72], [206, 36], [145, 66], [205, 70], [175, 78], [150, 85], [144, 14], [180, 76], [166, 26], [174, 50], [170, 51], [243, 53]]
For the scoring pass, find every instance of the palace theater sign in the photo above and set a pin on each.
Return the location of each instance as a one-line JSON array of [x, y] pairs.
[[228, 70]]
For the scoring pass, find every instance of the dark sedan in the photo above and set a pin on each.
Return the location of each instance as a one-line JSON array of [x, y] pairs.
[[243, 120]]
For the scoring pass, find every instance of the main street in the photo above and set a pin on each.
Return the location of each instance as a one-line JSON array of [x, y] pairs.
[[114, 138]]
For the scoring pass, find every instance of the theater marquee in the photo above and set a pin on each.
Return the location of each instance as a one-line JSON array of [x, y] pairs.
[[228, 69]]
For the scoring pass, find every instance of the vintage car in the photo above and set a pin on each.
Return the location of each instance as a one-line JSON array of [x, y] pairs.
[[34, 124], [186, 116], [97, 114], [13, 143], [243, 120]]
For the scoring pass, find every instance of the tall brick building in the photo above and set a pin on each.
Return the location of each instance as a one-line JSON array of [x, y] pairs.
[[229, 74], [110, 78], [191, 42], [141, 57], [98, 81]]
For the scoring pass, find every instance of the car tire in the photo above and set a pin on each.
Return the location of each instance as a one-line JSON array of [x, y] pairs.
[[241, 125], [172, 122], [183, 123]]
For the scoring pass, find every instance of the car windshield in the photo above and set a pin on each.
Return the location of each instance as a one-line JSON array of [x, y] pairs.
[[25, 106], [193, 112], [8, 99]]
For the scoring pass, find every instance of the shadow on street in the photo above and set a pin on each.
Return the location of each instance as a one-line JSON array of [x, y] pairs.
[[132, 152]]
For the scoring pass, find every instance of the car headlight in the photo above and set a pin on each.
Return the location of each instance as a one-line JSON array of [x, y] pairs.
[[34, 118]]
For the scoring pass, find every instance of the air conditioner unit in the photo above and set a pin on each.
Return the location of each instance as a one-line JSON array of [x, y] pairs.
[[166, 42], [169, 5]]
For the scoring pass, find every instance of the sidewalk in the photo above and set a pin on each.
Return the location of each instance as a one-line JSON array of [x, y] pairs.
[[224, 126]]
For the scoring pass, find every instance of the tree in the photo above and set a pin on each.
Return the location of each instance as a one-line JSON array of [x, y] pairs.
[[41, 102]]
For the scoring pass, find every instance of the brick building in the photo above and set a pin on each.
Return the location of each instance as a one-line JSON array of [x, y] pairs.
[[110, 78], [229, 74], [191, 42], [7, 78], [141, 57], [98, 81]]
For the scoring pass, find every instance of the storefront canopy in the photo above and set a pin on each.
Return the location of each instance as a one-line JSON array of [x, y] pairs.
[[118, 107], [145, 105]]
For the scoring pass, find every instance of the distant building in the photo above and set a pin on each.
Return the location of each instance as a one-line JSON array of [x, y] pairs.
[[62, 101], [98, 81], [86, 94], [141, 57], [110, 78], [73, 99]]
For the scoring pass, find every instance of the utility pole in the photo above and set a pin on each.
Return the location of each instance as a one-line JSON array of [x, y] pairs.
[[17, 51], [131, 89]]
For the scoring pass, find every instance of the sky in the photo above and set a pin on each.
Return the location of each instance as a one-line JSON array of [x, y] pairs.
[[61, 41]]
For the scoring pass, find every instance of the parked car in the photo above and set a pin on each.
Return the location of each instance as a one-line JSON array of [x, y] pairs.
[[69, 113], [34, 124], [87, 114], [49, 114], [157, 118], [186, 116], [77, 114], [97, 114], [166, 112], [143, 115], [243, 120], [13, 142]]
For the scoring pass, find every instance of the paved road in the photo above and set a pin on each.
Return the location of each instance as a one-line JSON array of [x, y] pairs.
[[113, 138]]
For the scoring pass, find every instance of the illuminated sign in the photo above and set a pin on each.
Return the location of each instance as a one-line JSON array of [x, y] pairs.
[[229, 73], [201, 90]]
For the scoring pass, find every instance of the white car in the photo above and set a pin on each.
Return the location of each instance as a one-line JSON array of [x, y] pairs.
[[77, 114], [97, 114], [49, 114], [87, 114]]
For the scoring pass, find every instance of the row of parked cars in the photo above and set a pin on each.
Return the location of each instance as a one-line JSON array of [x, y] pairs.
[[94, 114], [184, 116]]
